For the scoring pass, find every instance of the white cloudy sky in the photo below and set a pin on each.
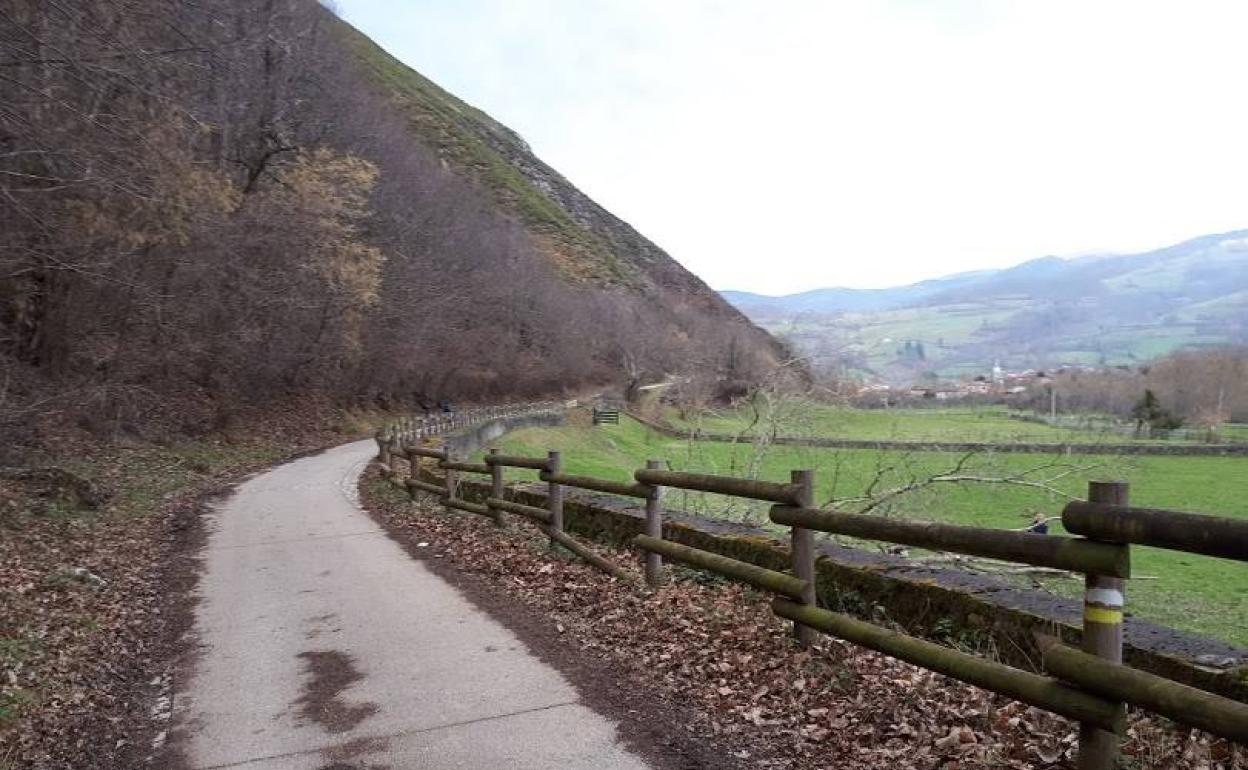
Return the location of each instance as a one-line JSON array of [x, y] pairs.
[[784, 145]]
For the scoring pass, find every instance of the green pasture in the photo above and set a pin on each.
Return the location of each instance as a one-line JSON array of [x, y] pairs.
[[922, 424], [1199, 594]]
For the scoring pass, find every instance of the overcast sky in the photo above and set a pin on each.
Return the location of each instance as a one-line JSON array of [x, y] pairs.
[[790, 144]]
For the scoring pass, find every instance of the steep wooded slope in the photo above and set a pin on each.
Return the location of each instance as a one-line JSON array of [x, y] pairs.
[[219, 205], [585, 242]]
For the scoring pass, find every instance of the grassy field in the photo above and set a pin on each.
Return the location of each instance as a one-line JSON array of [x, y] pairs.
[[1199, 594], [988, 424], [965, 338]]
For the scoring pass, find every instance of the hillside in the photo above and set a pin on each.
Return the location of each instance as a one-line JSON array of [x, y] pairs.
[[253, 204], [1047, 312], [585, 241], [588, 247]]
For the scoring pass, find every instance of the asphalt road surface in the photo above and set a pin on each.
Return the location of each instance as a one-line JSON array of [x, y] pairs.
[[323, 646]]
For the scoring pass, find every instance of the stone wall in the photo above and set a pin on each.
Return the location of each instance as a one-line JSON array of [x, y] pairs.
[[1172, 450]]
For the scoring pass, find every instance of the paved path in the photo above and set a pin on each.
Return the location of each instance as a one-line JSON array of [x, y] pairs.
[[326, 647]]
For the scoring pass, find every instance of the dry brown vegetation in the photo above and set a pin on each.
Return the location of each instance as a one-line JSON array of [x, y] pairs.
[[211, 214], [96, 569], [209, 207], [1203, 388]]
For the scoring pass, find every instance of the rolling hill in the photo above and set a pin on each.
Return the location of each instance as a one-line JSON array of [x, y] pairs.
[[1105, 309]]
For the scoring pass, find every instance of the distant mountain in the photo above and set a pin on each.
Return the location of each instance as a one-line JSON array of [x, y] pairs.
[[1099, 310], [839, 300]]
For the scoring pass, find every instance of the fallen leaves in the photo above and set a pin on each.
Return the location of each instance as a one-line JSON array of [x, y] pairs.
[[86, 600], [731, 665]]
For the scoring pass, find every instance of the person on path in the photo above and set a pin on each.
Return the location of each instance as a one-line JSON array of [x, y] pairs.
[[1039, 525]]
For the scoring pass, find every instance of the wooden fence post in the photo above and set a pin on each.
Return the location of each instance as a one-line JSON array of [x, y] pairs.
[[383, 448], [1102, 632], [450, 481], [413, 469], [497, 489], [554, 493], [654, 528], [803, 548], [397, 448]]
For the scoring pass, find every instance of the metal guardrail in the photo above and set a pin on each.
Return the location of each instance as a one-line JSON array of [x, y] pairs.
[[1090, 686]]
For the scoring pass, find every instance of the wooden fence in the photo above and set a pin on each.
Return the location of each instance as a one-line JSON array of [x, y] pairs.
[[1090, 686], [410, 430], [606, 417]]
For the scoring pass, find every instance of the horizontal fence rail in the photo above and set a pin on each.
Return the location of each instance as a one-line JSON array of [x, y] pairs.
[[621, 488], [1020, 685], [420, 451], [1159, 695], [426, 487], [1174, 530], [453, 465], [1090, 686], [513, 461], [723, 485], [1065, 553], [537, 514], [588, 555], [759, 577], [467, 507]]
